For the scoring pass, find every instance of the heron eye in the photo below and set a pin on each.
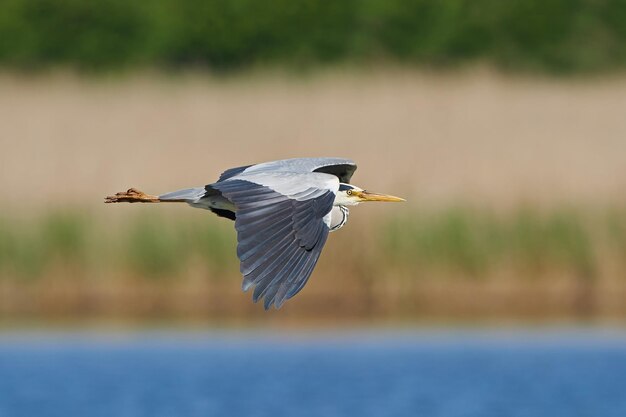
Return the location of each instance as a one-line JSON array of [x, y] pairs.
[[349, 192]]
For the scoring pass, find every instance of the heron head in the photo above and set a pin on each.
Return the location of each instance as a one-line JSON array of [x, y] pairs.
[[351, 195]]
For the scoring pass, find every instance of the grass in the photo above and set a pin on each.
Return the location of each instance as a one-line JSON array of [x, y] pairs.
[[157, 248], [149, 263], [472, 242], [461, 241], [147, 247]]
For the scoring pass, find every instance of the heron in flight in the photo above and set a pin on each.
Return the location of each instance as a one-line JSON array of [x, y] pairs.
[[283, 212]]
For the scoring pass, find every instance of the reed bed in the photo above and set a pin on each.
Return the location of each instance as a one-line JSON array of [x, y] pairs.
[[458, 262]]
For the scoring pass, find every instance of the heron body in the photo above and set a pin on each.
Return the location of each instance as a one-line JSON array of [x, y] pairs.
[[283, 212]]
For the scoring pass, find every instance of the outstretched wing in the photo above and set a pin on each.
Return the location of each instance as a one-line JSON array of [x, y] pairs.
[[340, 167], [281, 228]]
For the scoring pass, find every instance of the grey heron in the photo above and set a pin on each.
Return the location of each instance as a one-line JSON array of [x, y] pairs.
[[283, 212]]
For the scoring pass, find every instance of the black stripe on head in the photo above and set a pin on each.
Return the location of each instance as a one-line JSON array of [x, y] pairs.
[[345, 187]]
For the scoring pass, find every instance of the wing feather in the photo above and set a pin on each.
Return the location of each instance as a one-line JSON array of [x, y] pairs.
[[276, 274], [302, 278], [262, 256], [283, 287], [256, 242], [280, 228], [229, 173], [269, 266], [287, 271]]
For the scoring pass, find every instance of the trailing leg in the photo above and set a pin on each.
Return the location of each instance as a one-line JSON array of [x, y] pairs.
[[132, 196]]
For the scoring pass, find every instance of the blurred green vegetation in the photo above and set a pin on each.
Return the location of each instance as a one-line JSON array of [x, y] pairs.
[[145, 246], [155, 247], [528, 242], [460, 242], [559, 36]]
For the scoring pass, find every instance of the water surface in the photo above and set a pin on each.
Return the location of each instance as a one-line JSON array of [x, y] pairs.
[[360, 373]]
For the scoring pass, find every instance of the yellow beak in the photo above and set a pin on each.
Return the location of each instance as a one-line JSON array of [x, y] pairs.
[[367, 196]]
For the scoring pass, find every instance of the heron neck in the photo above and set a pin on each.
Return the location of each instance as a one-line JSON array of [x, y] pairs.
[[338, 217]]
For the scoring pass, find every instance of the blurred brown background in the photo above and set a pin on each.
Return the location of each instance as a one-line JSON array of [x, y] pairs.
[[472, 136], [513, 163]]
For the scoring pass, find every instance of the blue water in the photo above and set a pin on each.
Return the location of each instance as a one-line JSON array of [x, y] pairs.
[[377, 373]]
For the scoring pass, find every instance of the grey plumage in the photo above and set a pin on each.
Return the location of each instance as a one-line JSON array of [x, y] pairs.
[[283, 213], [280, 238], [282, 217], [338, 217], [188, 194], [280, 210]]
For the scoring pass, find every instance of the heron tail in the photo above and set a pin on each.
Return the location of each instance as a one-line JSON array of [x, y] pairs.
[[187, 195]]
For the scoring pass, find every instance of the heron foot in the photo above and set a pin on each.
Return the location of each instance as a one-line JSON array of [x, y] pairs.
[[132, 195]]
